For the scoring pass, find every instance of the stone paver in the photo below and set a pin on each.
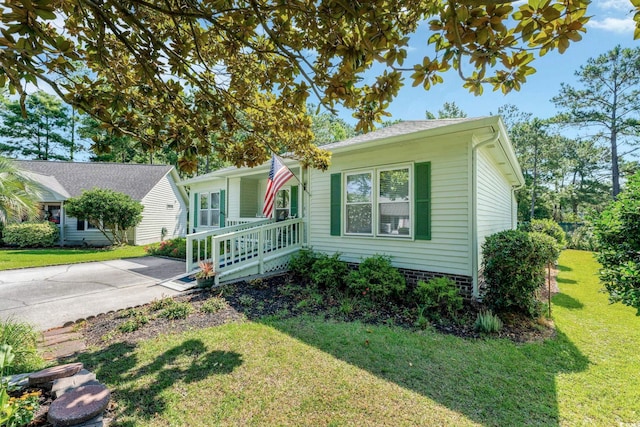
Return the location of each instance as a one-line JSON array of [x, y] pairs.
[[79, 405], [48, 375], [63, 385]]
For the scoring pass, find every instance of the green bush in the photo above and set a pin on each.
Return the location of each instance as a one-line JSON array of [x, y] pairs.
[[23, 339], [514, 269], [548, 227], [546, 247], [301, 265], [617, 231], [329, 273], [377, 280], [439, 297], [487, 322], [173, 248], [31, 234], [582, 238]]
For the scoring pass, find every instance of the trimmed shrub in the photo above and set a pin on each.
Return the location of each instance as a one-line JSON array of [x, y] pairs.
[[329, 272], [439, 297], [301, 265], [377, 279], [514, 269], [31, 234], [548, 227], [546, 247]]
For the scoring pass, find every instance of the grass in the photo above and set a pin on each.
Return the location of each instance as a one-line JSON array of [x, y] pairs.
[[23, 258], [308, 371]]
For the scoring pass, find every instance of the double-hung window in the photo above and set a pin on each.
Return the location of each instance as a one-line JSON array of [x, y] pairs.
[[386, 201], [209, 209]]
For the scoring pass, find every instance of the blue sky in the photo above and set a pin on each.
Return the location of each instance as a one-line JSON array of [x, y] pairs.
[[611, 24]]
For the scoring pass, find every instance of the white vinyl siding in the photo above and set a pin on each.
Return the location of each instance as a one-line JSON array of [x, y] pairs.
[[75, 237], [494, 200], [164, 207], [448, 251]]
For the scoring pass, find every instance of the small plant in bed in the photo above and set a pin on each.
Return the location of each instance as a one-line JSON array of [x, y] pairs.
[[213, 305], [177, 310]]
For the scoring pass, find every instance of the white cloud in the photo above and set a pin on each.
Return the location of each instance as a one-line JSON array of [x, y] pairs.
[[614, 25], [624, 5]]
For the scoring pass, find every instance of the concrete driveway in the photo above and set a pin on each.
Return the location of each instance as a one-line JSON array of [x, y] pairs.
[[48, 297]]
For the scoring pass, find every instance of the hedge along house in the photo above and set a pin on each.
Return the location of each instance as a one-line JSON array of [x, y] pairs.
[[426, 193], [155, 186]]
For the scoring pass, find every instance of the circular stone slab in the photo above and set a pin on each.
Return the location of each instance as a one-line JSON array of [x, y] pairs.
[[79, 405], [50, 374]]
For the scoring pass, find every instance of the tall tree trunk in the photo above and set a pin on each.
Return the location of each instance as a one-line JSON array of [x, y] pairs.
[[615, 172]]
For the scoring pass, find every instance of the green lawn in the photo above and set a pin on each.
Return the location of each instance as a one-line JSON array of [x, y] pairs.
[[307, 371], [22, 258]]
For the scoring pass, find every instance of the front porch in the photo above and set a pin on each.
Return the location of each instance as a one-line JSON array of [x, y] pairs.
[[246, 246]]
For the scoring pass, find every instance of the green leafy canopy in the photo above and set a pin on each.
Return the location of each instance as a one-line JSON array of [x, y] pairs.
[[173, 73]]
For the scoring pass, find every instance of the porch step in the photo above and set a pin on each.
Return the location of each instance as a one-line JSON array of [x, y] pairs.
[[180, 283]]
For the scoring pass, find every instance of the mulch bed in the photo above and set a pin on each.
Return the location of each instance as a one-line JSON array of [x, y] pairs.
[[271, 297]]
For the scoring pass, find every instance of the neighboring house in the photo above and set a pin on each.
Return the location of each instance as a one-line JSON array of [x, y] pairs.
[[165, 204], [427, 193]]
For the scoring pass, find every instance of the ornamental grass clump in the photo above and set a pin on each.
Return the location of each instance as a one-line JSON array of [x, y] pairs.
[[487, 323]]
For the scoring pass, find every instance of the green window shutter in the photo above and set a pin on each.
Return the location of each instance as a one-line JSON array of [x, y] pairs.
[[336, 203], [422, 193], [294, 202], [195, 210], [223, 208], [80, 224]]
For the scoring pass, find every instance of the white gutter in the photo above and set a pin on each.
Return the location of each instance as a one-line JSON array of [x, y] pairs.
[[474, 208]]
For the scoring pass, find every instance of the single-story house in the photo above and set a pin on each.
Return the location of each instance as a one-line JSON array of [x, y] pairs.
[[426, 193], [155, 186]]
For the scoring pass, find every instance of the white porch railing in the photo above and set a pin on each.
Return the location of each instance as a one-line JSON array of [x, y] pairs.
[[232, 222], [245, 245]]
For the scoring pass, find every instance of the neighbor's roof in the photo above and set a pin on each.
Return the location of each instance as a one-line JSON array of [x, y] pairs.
[[132, 179]]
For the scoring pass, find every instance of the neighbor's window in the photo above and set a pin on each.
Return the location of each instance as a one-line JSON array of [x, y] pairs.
[[358, 204], [210, 209], [393, 202]]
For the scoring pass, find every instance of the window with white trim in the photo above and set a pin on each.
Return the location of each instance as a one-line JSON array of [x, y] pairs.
[[209, 209], [378, 202]]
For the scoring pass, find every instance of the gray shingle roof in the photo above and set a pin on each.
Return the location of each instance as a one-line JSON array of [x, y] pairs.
[[402, 128], [132, 179]]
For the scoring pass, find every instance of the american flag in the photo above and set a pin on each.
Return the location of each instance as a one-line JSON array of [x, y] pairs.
[[278, 175]]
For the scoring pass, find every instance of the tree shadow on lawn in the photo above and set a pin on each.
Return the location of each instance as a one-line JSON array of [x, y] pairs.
[[490, 381], [566, 301], [188, 362], [564, 268]]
